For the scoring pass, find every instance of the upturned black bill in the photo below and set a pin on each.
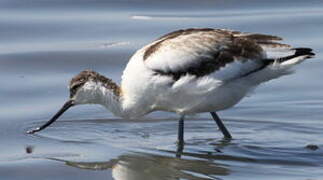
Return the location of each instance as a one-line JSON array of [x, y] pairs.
[[65, 107]]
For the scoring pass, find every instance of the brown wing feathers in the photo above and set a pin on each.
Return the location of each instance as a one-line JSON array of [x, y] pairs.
[[235, 46]]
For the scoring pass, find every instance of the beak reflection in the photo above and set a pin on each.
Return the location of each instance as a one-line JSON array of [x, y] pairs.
[[65, 107]]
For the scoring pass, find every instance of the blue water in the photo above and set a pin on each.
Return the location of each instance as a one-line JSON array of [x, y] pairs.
[[278, 130]]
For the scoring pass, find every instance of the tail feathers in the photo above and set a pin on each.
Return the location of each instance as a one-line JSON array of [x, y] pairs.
[[304, 53], [276, 67]]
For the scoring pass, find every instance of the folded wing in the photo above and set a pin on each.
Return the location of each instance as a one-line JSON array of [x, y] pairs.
[[222, 53]]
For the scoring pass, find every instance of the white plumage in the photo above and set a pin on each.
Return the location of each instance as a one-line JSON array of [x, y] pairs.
[[144, 91], [188, 71]]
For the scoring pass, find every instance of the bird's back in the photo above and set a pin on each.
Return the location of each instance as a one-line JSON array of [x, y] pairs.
[[190, 70]]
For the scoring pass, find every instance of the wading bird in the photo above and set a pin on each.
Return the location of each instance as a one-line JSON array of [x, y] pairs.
[[188, 71]]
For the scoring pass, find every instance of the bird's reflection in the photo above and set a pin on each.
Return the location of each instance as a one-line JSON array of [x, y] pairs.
[[146, 166]]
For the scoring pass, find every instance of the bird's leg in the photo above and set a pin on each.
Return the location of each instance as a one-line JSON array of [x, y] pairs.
[[180, 137], [221, 126], [179, 150]]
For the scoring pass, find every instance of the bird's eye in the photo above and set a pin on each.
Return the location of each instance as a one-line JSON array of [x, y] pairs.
[[73, 90]]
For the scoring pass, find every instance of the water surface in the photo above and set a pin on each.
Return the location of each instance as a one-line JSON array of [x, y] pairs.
[[278, 130]]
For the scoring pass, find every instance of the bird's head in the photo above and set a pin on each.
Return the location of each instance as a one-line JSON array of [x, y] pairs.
[[85, 87], [88, 87]]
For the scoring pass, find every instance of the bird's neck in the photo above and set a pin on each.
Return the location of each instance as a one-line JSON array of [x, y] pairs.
[[110, 96], [116, 101]]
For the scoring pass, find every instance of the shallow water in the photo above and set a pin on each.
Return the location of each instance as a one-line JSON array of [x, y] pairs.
[[278, 130]]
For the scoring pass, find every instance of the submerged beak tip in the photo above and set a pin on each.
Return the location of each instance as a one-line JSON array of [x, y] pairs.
[[66, 106], [33, 131]]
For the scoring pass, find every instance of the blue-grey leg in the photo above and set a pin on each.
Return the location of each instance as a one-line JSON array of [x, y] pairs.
[[221, 126], [180, 137]]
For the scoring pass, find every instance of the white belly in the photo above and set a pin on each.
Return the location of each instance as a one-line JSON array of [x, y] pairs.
[[145, 91], [194, 99]]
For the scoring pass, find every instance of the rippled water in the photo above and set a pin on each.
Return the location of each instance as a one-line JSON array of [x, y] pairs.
[[278, 131]]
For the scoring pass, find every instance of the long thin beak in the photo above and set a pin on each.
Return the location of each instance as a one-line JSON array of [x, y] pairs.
[[65, 107]]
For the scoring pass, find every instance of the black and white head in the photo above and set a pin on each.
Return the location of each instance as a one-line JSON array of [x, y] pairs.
[[88, 87]]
